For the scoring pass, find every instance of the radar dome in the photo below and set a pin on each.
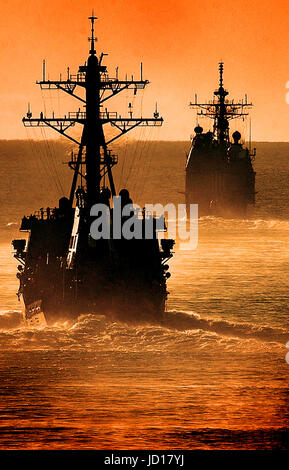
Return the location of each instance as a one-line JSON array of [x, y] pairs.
[[124, 193], [198, 130]]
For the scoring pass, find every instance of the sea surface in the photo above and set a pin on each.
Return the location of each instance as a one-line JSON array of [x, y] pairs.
[[212, 376]]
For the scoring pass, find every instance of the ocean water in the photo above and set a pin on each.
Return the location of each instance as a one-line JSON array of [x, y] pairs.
[[212, 376]]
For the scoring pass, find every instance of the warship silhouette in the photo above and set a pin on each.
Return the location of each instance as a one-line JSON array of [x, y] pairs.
[[219, 173], [64, 271]]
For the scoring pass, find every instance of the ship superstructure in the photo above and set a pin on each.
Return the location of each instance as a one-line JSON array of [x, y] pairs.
[[219, 173], [64, 271]]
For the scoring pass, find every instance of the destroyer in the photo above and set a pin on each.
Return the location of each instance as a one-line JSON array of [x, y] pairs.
[[63, 270], [219, 174]]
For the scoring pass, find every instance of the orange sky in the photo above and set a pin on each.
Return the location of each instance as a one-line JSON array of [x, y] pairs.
[[179, 41]]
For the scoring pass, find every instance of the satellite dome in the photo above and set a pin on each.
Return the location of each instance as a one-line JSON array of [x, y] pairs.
[[198, 130], [124, 193], [209, 135]]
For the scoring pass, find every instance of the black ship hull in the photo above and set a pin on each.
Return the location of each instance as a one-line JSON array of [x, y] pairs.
[[63, 296], [118, 302], [67, 273], [220, 188]]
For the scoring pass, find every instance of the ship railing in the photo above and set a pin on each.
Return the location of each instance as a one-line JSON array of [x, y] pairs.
[[108, 115], [102, 115], [77, 115], [72, 80], [112, 160], [46, 214], [79, 78]]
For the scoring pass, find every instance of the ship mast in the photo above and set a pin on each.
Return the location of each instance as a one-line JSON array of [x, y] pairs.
[[221, 124], [94, 159], [221, 110], [94, 139]]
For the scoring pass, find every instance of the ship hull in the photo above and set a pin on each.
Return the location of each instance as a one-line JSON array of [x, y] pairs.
[[70, 274], [220, 188], [123, 300]]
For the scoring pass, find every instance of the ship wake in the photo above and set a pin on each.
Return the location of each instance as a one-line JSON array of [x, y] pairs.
[[180, 331]]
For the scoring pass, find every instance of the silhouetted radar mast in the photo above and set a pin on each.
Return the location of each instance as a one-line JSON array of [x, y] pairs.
[[221, 109], [94, 159]]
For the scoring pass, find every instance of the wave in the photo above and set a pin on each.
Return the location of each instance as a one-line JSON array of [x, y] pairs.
[[261, 224], [179, 332], [191, 320], [11, 319]]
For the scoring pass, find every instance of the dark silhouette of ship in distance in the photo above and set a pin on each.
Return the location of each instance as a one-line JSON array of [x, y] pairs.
[[64, 271], [219, 173]]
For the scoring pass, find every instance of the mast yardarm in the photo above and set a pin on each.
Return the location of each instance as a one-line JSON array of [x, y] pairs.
[[94, 159], [221, 109]]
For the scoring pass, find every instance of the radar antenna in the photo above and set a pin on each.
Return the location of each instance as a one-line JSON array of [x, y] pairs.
[[221, 109], [92, 39], [94, 159]]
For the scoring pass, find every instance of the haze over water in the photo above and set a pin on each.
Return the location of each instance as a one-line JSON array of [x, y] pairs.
[[213, 376]]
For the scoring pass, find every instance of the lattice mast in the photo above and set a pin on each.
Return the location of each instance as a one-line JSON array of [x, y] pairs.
[[221, 109], [94, 159]]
